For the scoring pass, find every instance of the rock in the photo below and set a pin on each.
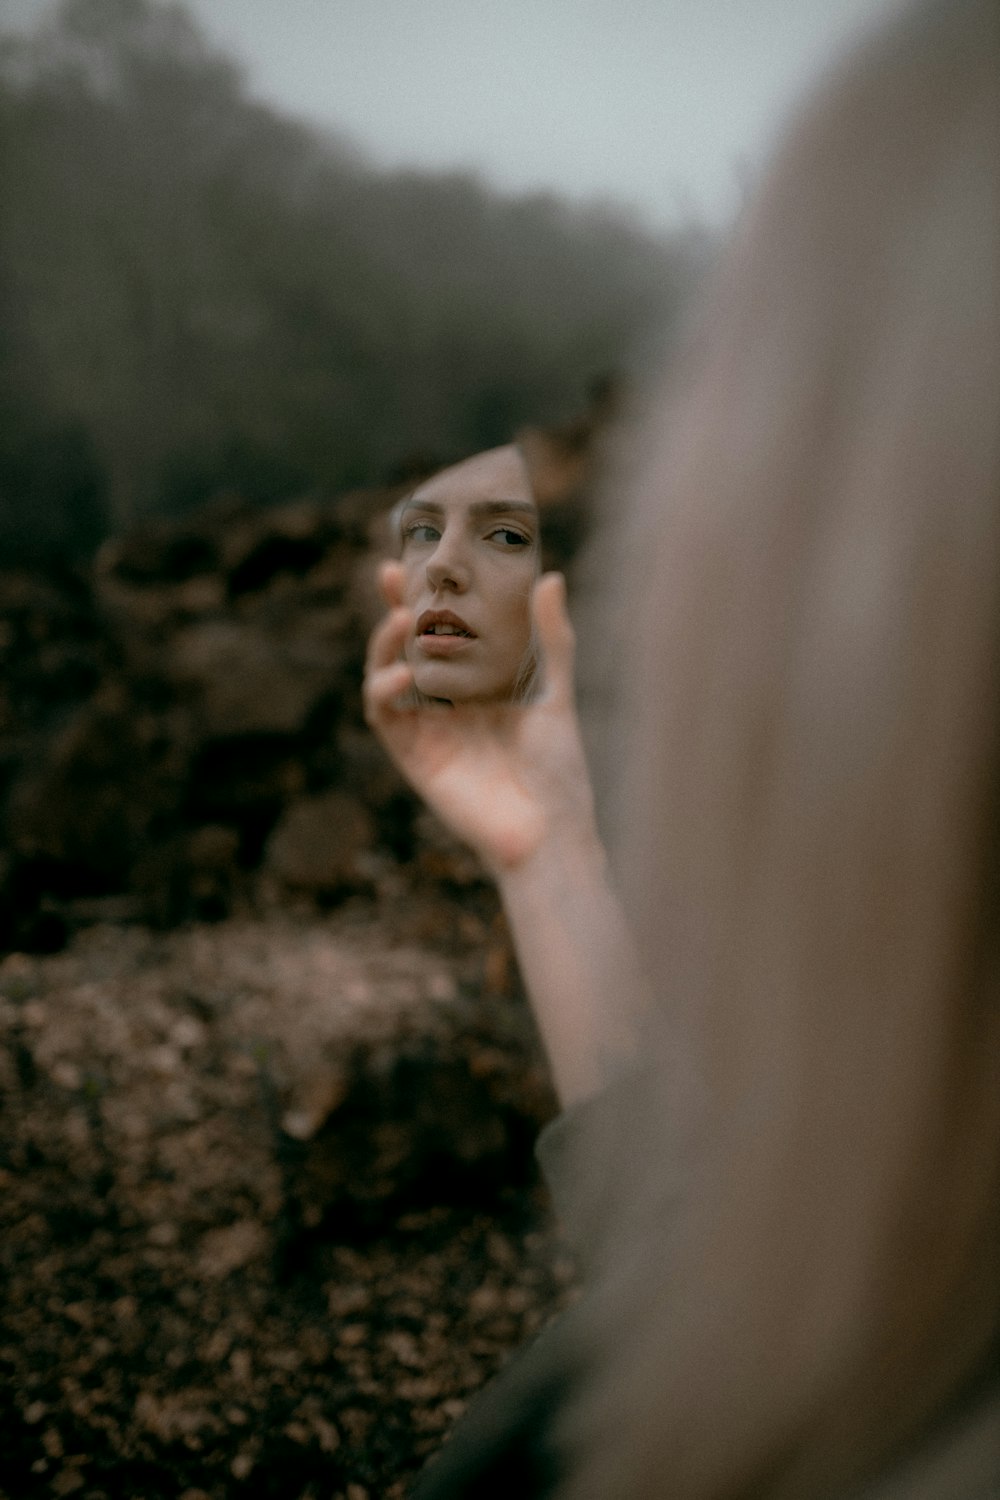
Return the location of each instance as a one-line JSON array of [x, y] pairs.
[[88, 804], [231, 1246], [320, 844], [248, 682]]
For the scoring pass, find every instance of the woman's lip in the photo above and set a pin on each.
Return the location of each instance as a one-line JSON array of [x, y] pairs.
[[443, 645], [432, 617]]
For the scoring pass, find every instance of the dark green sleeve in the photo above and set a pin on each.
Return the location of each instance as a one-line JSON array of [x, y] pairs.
[[506, 1443]]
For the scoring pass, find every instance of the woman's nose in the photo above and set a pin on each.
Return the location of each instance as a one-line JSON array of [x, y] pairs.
[[448, 565]]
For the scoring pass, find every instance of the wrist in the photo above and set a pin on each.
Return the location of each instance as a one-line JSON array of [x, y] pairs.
[[567, 850]]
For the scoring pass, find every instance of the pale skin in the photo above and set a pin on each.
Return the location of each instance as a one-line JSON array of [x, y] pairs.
[[512, 781], [469, 549]]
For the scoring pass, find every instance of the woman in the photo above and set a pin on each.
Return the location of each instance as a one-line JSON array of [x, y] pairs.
[[469, 545], [793, 1206]]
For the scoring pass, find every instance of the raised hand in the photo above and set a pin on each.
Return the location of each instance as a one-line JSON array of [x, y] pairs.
[[504, 777]]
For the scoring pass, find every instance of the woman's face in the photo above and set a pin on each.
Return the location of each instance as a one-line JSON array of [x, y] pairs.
[[470, 557]]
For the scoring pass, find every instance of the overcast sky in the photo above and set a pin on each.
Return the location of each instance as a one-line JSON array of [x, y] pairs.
[[663, 104]]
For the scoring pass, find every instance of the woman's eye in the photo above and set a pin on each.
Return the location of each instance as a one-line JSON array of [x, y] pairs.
[[508, 537], [420, 531]]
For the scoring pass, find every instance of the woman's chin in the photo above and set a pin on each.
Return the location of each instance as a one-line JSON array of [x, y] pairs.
[[441, 680], [449, 681]]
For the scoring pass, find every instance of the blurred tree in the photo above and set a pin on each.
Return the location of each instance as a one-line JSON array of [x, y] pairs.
[[51, 484], [209, 295]]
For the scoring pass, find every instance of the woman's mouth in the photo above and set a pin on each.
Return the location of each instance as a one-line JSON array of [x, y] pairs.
[[439, 632]]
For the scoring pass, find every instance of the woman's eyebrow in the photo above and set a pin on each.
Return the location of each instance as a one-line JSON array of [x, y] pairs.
[[477, 508], [503, 507]]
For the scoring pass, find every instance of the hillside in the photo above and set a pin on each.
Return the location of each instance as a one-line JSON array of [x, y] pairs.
[[200, 295]]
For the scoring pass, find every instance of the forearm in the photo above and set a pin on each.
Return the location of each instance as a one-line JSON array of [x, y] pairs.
[[578, 961]]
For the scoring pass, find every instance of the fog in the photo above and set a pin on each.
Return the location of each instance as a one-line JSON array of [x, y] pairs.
[[668, 109]]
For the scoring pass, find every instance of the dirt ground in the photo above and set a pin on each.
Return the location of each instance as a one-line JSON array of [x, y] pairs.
[[270, 1213]]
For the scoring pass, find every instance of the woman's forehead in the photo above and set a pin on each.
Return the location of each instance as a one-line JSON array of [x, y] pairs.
[[498, 475]]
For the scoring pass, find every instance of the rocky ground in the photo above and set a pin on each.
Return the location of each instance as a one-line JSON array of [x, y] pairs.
[[268, 1087], [269, 1208]]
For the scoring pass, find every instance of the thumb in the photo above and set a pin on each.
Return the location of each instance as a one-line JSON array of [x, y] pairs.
[[556, 637], [390, 581]]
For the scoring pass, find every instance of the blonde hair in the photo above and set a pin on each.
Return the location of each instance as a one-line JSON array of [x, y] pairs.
[[806, 818]]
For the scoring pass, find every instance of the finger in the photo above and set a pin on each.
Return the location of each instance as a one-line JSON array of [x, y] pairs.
[[386, 641], [382, 690], [391, 577], [556, 637]]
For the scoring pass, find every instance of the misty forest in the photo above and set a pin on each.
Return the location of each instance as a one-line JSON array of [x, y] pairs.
[[269, 1083]]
